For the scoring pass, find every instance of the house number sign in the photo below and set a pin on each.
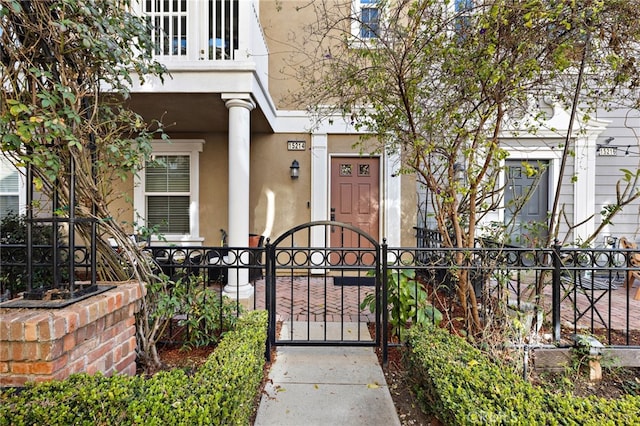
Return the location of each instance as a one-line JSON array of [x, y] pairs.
[[296, 145], [608, 151]]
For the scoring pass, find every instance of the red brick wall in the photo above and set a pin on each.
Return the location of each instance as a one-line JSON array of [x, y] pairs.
[[95, 334]]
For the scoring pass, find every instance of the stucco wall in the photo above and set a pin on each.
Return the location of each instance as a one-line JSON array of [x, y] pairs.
[[277, 201]]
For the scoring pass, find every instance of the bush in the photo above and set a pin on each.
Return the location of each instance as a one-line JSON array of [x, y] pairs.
[[460, 385], [222, 391], [207, 315], [408, 302]]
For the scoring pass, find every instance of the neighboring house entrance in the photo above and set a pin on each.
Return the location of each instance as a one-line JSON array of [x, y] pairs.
[[355, 196], [530, 222]]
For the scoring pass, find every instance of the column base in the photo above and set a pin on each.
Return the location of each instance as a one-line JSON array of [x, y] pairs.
[[244, 294]]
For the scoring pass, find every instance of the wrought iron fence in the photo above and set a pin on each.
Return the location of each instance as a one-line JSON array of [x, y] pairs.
[[50, 270], [562, 290]]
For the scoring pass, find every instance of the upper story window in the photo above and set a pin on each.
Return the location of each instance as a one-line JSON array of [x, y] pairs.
[[367, 23], [166, 194], [464, 9], [12, 190], [369, 18]]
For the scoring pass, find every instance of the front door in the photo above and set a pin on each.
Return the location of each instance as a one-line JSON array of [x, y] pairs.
[[355, 197], [530, 221]]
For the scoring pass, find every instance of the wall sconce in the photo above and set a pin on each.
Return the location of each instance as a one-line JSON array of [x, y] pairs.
[[295, 169]]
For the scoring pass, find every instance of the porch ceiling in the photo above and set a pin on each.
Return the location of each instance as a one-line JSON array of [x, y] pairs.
[[191, 112]]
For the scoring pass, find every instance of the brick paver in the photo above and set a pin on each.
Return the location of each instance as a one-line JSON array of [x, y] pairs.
[[316, 299], [615, 309]]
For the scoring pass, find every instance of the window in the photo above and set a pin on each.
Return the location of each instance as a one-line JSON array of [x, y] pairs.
[[464, 9], [367, 23], [369, 18], [166, 192], [11, 189]]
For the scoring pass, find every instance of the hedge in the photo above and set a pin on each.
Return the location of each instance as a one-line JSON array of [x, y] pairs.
[[460, 385], [222, 391]]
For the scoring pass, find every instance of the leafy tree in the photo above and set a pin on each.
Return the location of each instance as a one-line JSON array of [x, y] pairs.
[[67, 68], [439, 86]]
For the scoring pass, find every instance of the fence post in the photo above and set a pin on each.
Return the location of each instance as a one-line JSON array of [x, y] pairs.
[[269, 302], [555, 294], [383, 307]]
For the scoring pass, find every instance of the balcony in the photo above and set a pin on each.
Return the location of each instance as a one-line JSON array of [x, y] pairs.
[[209, 47], [206, 30]]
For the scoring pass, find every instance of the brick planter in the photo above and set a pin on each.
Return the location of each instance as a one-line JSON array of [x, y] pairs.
[[95, 334]]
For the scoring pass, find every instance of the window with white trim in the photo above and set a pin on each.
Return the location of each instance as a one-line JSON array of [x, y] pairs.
[[11, 189], [367, 22], [166, 195]]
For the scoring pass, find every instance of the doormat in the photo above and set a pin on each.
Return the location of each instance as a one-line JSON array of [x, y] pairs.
[[364, 281]]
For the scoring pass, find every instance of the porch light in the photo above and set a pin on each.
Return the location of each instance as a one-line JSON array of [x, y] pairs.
[[295, 169]]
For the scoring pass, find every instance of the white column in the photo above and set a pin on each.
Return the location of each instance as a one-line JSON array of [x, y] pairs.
[[319, 185], [584, 187], [319, 190], [392, 200], [238, 286]]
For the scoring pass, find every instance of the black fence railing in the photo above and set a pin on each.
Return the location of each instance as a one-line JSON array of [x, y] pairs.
[[563, 291], [222, 271], [559, 291], [570, 290], [50, 270]]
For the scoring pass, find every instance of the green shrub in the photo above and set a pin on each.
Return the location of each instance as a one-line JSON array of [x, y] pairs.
[[204, 315], [207, 315], [222, 391], [460, 385], [408, 301]]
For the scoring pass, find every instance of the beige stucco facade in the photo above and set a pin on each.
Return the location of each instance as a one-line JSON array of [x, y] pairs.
[[196, 102]]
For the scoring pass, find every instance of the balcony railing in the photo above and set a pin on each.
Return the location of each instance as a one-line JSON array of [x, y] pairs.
[[204, 30]]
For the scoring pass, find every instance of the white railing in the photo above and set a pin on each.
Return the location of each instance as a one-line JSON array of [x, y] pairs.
[[205, 30], [258, 46], [208, 34]]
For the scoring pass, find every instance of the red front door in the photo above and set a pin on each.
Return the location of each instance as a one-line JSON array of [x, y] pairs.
[[355, 197]]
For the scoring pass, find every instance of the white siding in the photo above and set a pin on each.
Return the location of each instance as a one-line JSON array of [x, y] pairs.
[[624, 127]]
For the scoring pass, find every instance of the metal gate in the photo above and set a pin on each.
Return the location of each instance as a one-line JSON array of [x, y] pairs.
[[315, 292]]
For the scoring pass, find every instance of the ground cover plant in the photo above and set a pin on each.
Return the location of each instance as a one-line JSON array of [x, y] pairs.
[[222, 391]]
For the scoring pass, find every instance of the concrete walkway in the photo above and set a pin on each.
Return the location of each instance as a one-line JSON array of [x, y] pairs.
[[311, 386]]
